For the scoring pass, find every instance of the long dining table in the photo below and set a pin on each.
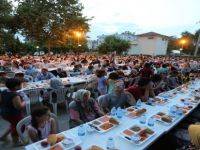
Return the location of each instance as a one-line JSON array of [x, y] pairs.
[[100, 139]]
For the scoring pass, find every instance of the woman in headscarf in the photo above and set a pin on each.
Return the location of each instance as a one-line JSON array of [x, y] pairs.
[[83, 108]]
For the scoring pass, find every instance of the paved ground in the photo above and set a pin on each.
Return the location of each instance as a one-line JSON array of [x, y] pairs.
[[63, 124]]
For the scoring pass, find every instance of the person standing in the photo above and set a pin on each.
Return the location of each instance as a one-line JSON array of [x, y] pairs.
[[11, 107]]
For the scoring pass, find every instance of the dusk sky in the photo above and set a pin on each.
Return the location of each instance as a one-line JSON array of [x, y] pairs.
[[169, 17]]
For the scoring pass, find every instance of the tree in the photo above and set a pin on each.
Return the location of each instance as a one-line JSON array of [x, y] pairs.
[[189, 46], [172, 45], [8, 28], [51, 22], [112, 43]]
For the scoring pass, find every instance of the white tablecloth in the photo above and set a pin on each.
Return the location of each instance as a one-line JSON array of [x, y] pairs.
[[100, 139]]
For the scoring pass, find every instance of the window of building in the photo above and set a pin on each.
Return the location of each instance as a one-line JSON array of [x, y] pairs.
[[151, 37]]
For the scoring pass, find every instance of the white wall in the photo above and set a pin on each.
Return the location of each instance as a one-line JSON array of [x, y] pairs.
[[161, 48], [155, 46]]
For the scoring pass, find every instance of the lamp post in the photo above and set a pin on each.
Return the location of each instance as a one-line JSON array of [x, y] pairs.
[[37, 47], [183, 41], [78, 35]]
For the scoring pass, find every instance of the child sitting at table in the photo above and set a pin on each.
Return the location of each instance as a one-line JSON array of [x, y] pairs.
[[42, 124]]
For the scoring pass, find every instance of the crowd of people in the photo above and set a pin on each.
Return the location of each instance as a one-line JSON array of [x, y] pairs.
[[148, 76]]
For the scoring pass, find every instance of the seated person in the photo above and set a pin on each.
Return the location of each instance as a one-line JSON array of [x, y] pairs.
[[89, 70], [158, 84], [3, 77], [113, 77], [42, 124], [143, 90], [172, 79], [83, 108], [194, 134], [119, 98], [61, 73], [45, 75], [20, 76], [76, 70], [30, 69], [146, 71]]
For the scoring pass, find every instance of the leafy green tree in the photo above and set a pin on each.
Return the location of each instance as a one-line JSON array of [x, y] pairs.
[[51, 23], [112, 43], [189, 46], [172, 45]]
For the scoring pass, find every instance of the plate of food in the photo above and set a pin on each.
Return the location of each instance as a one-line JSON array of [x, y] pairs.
[[94, 147], [104, 124], [134, 112], [164, 118], [51, 141], [190, 101], [70, 141], [158, 101], [60, 141], [137, 134], [184, 109]]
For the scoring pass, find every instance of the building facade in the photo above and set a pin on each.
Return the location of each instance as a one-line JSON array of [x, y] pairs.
[[150, 43]]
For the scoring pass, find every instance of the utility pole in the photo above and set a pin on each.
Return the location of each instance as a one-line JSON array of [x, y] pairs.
[[197, 44]]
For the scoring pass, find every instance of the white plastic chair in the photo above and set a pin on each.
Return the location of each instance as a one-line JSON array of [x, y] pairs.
[[34, 96], [60, 97], [21, 127], [10, 74]]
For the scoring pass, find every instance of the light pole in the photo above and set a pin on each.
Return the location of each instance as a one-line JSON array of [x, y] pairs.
[[78, 35], [183, 42], [37, 47], [197, 44]]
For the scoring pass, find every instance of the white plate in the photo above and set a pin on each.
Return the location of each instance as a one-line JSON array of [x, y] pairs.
[[161, 121], [134, 111], [101, 123], [128, 138], [76, 141]]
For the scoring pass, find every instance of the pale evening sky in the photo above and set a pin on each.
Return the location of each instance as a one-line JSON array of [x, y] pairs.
[[169, 17]]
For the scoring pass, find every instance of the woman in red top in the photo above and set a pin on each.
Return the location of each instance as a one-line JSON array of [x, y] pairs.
[[143, 90]]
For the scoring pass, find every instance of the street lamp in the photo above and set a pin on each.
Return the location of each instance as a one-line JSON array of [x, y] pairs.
[[37, 47], [78, 35], [182, 42]]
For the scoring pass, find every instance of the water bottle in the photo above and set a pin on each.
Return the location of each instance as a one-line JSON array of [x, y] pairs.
[[139, 103], [85, 75], [119, 113], [135, 138], [186, 102], [151, 122], [172, 111], [81, 131], [113, 111], [143, 119], [179, 112], [68, 74], [110, 144]]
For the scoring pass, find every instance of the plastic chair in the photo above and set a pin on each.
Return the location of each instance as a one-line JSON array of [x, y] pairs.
[[21, 127], [34, 96], [10, 74], [58, 96]]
